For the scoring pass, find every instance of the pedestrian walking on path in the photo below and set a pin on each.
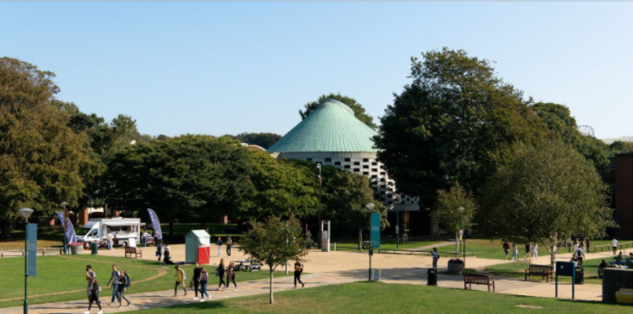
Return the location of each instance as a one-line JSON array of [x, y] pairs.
[[229, 244], [124, 283], [588, 242], [506, 248], [110, 240], [219, 244], [614, 245], [230, 275], [298, 271], [204, 278], [220, 273], [196, 280], [527, 251], [515, 252], [94, 296], [114, 279], [159, 250], [181, 276], [90, 275], [535, 252], [436, 257]]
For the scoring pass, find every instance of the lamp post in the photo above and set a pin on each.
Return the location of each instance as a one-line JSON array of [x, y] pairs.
[[370, 207], [395, 199], [320, 184], [26, 212], [463, 238], [63, 205]]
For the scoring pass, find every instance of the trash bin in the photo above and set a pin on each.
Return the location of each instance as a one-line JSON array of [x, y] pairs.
[[432, 277], [95, 248], [73, 249], [580, 275]]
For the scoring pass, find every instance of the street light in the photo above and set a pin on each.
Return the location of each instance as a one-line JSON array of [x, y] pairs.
[[370, 207], [26, 212], [462, 240], [318, 165], [63, 205]]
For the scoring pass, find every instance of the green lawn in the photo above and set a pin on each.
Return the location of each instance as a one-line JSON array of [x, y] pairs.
[[517, 270], [57, 274], [368, 298]]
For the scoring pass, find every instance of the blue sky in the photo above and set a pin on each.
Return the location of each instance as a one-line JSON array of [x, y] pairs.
[[226, 68]]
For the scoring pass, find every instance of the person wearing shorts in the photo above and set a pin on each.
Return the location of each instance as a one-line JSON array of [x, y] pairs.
[[614, 245]]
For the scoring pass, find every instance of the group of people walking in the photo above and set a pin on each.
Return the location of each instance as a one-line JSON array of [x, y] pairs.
[[120, 282], [531, 251]]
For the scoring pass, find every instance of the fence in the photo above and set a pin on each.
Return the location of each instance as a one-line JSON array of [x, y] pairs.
[[609, 247], [403, 252], [40, 252]]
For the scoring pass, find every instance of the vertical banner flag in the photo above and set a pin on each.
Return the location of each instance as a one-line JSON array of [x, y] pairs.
[[155, 224], [70, 233], [31, 239], [60, 215], [375, 230]]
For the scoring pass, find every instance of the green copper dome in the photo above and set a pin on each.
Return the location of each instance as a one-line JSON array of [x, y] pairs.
[[331, 127]]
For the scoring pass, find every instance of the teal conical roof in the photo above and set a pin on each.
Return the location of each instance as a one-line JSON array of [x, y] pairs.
[[331, 127]]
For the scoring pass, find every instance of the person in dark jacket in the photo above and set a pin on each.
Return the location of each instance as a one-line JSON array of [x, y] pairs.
[[124, 282], [196, 280], [94, 296]]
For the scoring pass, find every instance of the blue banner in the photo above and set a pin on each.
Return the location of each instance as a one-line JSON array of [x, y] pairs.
[[71, 238], [31, 239], [375, 230], [60, 215], [155, 224]]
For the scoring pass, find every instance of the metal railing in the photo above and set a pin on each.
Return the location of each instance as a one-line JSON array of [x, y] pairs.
[[609, 247], [40, 252]]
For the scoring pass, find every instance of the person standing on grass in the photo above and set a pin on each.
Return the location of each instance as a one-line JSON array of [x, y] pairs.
[[436, 257], [204, 279], [180, 280], [220, 273], [535, 252], [219, 244], [94, 296], [114, 279], [506, 248], [196, 280], [124, 282], [229, 244], [614, 245], [515, 252], [527, 251], [90, 276], [230, 275], [298, 271]]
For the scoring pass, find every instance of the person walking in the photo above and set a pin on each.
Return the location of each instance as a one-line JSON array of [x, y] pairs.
[[230, 275], [588, 242], [159, 250], [219, 244], [204, 279], [229, 244], [94, 296], [196, 280], [90, 275], [180, 280], [298, 271], [506, 248], [580, 252], [110, 240], [515, 252], [436, 257], [614, 245], [575, 245], [124, 283], [527, 251], [220, 273], [535, 252], [114, 279]]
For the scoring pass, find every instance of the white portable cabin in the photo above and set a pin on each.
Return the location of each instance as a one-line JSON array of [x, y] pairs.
[[96, 229], [197, 249]]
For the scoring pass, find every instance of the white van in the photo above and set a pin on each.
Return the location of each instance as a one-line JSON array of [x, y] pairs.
[[126, 230]]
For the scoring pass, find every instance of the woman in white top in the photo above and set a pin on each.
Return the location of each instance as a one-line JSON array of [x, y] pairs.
[[535, 252]]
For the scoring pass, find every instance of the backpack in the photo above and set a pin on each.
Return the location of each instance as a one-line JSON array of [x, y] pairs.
[[127, 280]]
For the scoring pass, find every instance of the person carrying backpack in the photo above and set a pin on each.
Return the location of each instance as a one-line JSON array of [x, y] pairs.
[[114, 279], [124, 283], [181, 276], [436, 257], [94, 296]]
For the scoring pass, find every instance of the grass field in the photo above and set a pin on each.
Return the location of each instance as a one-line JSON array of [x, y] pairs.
[[65, 275], [380, 298]]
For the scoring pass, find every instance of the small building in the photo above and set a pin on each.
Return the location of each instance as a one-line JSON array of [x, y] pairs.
[[197, 247], [623, 188]]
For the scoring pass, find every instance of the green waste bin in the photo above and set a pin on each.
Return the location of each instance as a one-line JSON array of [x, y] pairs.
[[95, 248]]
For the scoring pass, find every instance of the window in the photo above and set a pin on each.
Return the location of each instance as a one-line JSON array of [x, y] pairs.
[[390, 202], [382, 192], [382, 173], [347, 160], [338, 163], [382, 166], [365, 167], [356, 170], [309, 159], [365, 173], [374, 170], [374, 163], [357, 163], [365, 159], [347, 166], [328, 159]]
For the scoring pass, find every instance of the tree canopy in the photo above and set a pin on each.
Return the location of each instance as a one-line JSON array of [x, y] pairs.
[[448, 214], [265, 140], [359, 110]]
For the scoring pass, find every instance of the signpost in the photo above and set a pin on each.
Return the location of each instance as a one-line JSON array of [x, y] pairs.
[[31, 236], [566, 269], [375, 237]]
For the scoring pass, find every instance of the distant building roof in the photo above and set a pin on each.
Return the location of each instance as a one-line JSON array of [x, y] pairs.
[[331, 127], [615, 139]]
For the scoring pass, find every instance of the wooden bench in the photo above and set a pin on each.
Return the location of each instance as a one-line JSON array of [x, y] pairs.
[[539, 270], [478, 280], [133, 250]]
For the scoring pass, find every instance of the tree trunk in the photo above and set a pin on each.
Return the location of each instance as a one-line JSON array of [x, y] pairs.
[[554, 249], [435, 228], [171, 229], [457, 242], [5, 227], [271, 287], [360, 239]]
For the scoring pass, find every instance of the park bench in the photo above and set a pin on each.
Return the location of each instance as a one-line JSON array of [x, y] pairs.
[[478, 280], [132, 250], [539, 270]]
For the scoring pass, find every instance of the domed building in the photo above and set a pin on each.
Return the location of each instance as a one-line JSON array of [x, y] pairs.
[[332, 135]]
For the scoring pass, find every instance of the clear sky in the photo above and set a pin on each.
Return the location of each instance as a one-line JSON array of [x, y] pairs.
[[226, 68]]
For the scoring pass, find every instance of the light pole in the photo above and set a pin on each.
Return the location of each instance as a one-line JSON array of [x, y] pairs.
[[63, 205], [395, 199], [320, 184], [370, 207], [26, 212], [462, 238]]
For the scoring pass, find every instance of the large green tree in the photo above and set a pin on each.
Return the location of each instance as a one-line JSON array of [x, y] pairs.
[[448, 213], [41, 158], [265, 140], [359, 110], [190, 176], [545, 193], [621, 147]]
